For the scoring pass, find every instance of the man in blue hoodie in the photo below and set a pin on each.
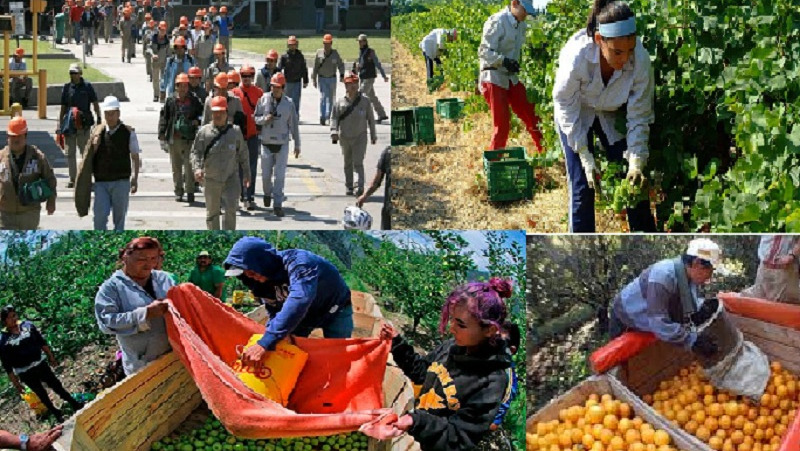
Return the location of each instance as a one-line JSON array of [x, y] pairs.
[[308, 292]]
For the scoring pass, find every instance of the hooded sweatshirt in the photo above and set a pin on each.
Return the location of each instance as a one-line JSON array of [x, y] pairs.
[[460, 393], [316, 289]]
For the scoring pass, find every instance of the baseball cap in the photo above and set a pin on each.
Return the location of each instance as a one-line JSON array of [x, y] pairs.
[[234, 271]]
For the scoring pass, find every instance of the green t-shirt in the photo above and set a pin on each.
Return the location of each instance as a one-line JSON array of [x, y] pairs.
[[207, 280]]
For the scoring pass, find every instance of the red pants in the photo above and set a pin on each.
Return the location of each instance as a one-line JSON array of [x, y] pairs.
[[499, 100]]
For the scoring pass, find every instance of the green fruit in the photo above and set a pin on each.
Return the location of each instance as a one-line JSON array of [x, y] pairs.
[[157, 446]]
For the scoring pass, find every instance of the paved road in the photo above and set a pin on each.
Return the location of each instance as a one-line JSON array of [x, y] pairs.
[[314, 186]]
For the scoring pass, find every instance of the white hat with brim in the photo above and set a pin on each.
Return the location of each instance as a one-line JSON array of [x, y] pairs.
[[705, 249], [75, 68], [110, 103], [234, 271]]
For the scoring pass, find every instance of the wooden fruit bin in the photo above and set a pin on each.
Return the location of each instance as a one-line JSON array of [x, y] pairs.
[[659, 361], [159, 399], [606, 384]]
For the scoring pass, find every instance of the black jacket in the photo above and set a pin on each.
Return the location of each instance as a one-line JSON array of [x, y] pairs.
[[293, 66], [169, 114], [477, 383]]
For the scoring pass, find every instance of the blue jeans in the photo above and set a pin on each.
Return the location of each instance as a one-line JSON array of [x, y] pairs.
[[76, 31], [293, 91], [327, 91], [252, 151], [429, 64], [320, 19], [581, 213], [339, 325], [274, 162], [111, 197]]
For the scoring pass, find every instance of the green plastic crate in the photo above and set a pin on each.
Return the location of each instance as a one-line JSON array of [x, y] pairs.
[[435, 82], [508, 174], [450, 108], [425, 133], [403, 127]]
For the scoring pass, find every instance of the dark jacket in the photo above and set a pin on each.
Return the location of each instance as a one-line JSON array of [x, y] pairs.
[[169, 114], [316, 289], [19, 351], [477, 384], [294, 68]]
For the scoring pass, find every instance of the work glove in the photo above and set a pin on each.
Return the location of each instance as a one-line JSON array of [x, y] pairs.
[[635, 167], [705, 346], [589, 166], [705, 312], [511, 65]]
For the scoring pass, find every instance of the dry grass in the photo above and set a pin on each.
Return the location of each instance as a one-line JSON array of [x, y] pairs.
[[443, 185]]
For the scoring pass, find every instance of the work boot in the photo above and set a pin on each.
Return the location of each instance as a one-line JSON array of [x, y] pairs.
[[71, 184], [190, 198], [349, 192], [267, 201], [251, 205], [178, 197], [279, 212]]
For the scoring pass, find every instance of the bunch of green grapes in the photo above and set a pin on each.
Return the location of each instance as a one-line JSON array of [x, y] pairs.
[[212, 436], [627, 195]]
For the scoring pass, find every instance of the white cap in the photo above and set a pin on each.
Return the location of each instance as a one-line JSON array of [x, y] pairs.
[[234, 271], [705, 249], [110, 103], [75, 68]]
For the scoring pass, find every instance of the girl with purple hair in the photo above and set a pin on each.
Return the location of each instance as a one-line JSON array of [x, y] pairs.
[[464, 379]]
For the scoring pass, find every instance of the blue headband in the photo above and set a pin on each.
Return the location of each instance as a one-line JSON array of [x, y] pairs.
[[625, 27]]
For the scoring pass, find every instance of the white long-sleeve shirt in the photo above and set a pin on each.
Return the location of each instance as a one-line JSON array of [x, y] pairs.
[[434, 42], [579, 95], [503, 37]]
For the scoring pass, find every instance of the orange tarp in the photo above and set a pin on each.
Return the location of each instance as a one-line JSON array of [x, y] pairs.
[[338, 391], [620, 350], [787, 315]]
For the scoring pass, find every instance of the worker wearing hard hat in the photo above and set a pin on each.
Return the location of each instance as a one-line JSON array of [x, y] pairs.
[[224, 26], [219, 66], [219, 153], [179, 63], [294, 68], [433, 46], [664, 298], [270, 68], [351, 119], [21, 165], [326, 62], [367, 66], [126, 26], [21, 85]]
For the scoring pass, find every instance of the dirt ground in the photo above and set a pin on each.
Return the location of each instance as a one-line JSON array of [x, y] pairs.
[[444, 186]]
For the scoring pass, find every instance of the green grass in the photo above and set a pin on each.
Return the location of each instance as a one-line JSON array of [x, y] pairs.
[[347, 46], [27, 44], [58, 72]]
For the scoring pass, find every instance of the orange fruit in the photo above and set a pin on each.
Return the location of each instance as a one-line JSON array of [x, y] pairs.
[[595, 414], [661, 438]]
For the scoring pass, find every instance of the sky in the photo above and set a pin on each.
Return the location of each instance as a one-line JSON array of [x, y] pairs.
[[475, 238]]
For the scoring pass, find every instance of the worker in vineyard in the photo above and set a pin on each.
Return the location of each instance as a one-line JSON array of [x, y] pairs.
[[777, 277], [208, 276], [26, 357], [664, 299], [302, 290], [131, 304], [42, 441], [499, 54], [463, 380], [601, 69], [433, 47]]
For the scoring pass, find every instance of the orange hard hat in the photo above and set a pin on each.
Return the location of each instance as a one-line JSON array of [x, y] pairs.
[[278, 80], [219, 48], [19, 52], [184, 19], [247, 70], [221, 80], [17, 126], [233, 77], [327, 39], [292, 40], [219, 103], [352, 78], [195, 72], [181, 78], [162, 25], [180, 41], [223, 10], [272, 54]]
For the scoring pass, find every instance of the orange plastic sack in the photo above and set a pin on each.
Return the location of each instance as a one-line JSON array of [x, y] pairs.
[[339, 389], [787, 315], [619, 350], [276, 375], [791, 441]]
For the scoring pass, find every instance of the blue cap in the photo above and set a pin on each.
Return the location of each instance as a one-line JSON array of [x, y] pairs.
[[528, 5]]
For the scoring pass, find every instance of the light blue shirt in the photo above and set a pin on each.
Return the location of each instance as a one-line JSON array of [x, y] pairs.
[[120, 308], [172, 69]]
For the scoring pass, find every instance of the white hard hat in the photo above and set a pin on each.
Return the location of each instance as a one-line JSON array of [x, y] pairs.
[[356, 219], [110, 103], [705, 249]]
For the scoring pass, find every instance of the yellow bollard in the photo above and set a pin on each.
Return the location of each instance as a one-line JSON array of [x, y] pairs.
[[42, 100]]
